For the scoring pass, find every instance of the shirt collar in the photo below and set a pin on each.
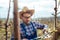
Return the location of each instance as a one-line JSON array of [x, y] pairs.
[[28, 24]]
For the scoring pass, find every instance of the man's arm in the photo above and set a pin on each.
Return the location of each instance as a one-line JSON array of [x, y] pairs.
[[12, 36], [40, 26]]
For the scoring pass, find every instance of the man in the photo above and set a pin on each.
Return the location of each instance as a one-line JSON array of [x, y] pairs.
[[28, 28]]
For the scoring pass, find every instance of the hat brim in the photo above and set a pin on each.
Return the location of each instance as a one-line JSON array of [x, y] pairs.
[[28, 11]]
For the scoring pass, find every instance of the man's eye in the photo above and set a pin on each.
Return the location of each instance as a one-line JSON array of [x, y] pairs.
[[26, 17]]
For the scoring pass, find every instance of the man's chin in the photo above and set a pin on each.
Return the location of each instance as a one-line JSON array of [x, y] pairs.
[[27, 22]]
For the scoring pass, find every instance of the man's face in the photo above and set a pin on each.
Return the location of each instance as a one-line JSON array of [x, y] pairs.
[[26, 18]]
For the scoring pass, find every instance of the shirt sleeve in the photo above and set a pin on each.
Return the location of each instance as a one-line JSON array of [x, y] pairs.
[[40, 26]]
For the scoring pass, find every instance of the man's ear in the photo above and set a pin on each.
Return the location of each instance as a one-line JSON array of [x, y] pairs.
[[20, 15]]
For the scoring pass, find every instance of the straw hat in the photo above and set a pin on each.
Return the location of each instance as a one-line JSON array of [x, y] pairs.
[[26, 10]]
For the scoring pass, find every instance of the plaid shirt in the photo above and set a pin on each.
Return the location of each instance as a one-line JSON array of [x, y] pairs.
[[29, 28]]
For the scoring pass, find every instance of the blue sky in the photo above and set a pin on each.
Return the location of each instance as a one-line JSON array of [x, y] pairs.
[[43, 8]]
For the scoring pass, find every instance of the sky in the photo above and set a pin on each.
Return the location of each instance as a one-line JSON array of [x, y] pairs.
[[43, 8]]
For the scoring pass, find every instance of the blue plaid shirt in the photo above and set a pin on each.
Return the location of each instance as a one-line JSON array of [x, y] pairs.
[[29, 28]]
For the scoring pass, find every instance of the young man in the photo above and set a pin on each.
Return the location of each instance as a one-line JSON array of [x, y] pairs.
[[28, 28]]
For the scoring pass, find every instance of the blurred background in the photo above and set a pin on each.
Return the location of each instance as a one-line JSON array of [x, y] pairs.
[[44, 13]]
